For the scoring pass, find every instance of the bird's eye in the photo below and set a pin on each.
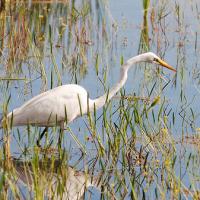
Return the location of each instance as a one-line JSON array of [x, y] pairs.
[[156, 60]]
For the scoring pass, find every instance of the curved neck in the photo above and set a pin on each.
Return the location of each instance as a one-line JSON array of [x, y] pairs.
[[99, 102]]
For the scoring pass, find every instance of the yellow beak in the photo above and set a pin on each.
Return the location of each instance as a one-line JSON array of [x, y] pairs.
[[164, 64]]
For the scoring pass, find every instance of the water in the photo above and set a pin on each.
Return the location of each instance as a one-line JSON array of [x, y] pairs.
[[104, 33]]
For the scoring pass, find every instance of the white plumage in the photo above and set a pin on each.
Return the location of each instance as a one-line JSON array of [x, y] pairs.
[[51, 107], [67, 102]]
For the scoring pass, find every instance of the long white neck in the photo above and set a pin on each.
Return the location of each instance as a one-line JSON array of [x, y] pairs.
[[100, 101]]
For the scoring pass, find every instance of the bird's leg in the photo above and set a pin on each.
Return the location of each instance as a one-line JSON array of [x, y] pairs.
[[41, 136], [61, 135]]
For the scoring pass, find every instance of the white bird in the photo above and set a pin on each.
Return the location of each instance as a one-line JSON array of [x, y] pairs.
[[67, 102]]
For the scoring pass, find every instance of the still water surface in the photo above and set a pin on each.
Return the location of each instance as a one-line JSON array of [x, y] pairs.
[[89, 52]]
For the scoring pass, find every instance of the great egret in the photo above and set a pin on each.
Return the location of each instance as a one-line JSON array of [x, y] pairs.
[[67, 102]]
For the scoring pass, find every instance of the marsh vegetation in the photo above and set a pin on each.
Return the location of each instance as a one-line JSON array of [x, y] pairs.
[[144, 144]]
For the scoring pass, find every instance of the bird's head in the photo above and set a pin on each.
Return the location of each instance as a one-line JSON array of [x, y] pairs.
[[152, 57], [147, 57]]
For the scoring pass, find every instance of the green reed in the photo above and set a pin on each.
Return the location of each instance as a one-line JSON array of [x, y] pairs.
[[138, 146]]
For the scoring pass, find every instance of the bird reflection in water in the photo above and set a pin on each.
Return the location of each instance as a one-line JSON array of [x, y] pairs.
[[52, 179]]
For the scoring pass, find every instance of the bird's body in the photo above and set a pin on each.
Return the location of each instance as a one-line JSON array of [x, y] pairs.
[[67, 102], [63, 103]]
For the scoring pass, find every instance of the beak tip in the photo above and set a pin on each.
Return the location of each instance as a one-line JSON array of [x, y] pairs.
[[164, 64]]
